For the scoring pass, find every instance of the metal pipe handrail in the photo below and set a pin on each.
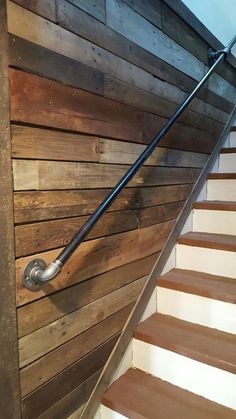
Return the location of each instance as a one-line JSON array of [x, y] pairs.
[[38, 271]]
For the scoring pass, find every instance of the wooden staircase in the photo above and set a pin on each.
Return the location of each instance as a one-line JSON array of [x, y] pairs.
[[184, 355]]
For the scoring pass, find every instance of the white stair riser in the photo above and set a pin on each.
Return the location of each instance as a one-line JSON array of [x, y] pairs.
[[199, 378], [212, 261], [212, 221], [197, 309], [221, 189], [232, 141], [227, 163], [107, 413]]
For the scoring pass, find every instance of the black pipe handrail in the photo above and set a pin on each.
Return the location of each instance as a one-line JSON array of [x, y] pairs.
[[38, 271]]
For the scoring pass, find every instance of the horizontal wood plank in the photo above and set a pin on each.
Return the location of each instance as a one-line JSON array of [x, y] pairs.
[[47, 175], [42, 370], [160, 213], [120, 152], [49, 205], [42, 61], [44, 102], [47, 395], [31, 143], [103, 254], [45, 8], [96, 8]]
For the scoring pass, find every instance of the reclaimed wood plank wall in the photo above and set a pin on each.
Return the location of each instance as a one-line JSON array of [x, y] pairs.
[[90, 84]]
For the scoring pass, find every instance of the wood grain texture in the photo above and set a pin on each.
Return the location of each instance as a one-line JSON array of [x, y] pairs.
[[131, 95], [49, 205], [42, 341], [40, 371], [199, 283], [9, 367], [73, 403], [197, 342], [45, 8], [77, 48], [96, 8], [34, 58], [44, 311], [55, 389], [104, 254], [151, 394], [43, 102], [209, 241], [47, 175], [35, 143], [103, 36], [38, 237]]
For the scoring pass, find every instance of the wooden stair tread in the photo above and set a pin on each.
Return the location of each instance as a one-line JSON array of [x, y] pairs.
[[206, 345], [209, 240], [228, 150], [200, 283], [215, 205], [232, 129], [222, 176], [139, 395]]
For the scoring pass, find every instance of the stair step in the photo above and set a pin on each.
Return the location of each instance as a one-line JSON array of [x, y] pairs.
[[217, 176], [209, 240], [199, 283], [209, 346], [139, 395], [195, 358], [228, 150], [215, 205], [212, 220]]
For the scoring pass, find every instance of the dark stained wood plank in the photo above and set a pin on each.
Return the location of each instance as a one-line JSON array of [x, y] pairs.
[[46, 310], [47, 175], [158, 214], [36, 143], [143, 100], [40, 101], [73, 401], [9, 374], [49, 205], [104, 254], [150, 9], [38, 237], [42, 399], [87, 27], [42, 61], [96, 8], [42, 370], [45, 8], [180, 136]]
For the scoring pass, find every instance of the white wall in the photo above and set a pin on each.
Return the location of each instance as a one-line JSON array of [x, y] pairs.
[[219, 16]]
